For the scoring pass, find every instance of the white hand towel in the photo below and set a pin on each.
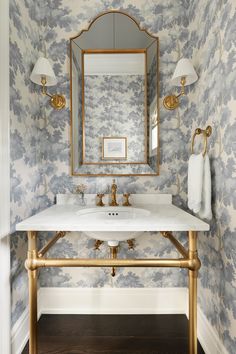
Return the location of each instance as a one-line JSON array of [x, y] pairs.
[[205, 211], [195, 182]]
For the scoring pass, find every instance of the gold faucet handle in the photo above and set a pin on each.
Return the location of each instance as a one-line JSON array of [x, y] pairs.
[[126, 201], [100, 202]]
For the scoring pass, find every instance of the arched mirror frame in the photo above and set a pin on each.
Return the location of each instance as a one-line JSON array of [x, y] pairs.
[[73, 173]]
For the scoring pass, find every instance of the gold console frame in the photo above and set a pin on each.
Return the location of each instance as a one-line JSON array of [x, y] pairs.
[[189, 260]]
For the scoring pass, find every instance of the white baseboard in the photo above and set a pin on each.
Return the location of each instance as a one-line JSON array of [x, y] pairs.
[[207, 336], [116, 301], [20, 332], [113, 300]]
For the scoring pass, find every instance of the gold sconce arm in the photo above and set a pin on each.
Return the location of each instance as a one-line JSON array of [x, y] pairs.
[[183, 82], [57, 101], [171, 102], [44, 87]]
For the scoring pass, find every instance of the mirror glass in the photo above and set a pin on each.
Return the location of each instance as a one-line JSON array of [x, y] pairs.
[[114, 98]]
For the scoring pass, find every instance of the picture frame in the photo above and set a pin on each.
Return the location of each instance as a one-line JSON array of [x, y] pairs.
[[114, 148]]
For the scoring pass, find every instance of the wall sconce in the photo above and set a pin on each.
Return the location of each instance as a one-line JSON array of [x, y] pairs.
[[184, 75], [43, 75]]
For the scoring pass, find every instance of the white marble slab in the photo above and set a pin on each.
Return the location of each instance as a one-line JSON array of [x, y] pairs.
[[163, 216]]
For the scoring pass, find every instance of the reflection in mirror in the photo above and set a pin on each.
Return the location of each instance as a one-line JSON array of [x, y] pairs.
[[114, 99], [114, 105]]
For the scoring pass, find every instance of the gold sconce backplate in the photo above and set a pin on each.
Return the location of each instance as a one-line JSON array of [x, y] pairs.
[[171, 102], [58, 101]]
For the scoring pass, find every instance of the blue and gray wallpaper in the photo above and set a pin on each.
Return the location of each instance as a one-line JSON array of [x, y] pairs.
[[213, 101], [40, 146]]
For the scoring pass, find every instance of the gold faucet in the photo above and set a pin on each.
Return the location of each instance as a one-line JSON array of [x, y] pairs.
[[113, 194]]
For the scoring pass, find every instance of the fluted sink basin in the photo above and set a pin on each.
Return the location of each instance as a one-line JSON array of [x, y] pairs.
[[109, 215]]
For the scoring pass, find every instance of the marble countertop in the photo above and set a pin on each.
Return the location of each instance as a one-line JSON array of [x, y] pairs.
[[163, 216]]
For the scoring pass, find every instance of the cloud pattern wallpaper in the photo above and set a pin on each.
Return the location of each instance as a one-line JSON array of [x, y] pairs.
[[40, 145]]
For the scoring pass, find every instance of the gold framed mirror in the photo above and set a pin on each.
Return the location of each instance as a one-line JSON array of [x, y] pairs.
[[114, 88]]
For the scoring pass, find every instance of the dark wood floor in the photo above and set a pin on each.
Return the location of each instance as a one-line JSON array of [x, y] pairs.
[[113, 334]]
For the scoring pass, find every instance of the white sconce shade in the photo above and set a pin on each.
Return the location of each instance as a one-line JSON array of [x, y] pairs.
[[43, 69], [184, 75], [184, 68], [43, 75]]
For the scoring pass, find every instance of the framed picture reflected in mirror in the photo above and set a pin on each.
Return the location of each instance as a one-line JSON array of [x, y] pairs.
[[114, 148]]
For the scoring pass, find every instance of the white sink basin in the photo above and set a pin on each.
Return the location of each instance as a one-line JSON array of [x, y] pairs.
[[112, 213], [109, 215]]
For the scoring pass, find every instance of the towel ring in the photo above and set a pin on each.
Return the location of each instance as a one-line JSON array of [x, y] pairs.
[[207, 132]]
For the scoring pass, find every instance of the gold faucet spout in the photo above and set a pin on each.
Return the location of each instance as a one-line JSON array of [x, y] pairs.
[[113, 194]]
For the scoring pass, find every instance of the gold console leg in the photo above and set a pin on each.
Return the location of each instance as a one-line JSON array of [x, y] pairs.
[[193, 274], [32, 274]]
